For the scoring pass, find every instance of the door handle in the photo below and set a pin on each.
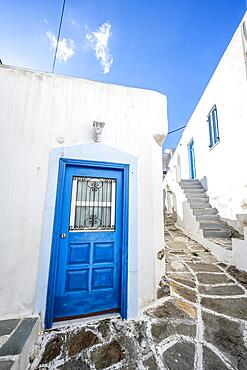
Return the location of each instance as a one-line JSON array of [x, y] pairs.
[[63, 236]]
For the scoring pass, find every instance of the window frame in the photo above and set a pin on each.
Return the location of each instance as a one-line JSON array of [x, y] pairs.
[[90, 203], [213, 127]]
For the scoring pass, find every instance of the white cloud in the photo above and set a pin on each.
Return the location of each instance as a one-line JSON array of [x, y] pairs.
[[66, 47], [45, 21], [99, 42]]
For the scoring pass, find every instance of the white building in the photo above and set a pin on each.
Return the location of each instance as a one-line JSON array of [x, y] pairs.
[[213, 149], [81, 221]]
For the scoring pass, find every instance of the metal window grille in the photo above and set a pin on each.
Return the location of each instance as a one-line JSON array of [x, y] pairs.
[[92, 204]]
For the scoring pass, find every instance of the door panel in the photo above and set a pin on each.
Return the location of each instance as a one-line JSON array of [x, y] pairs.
[[88, 276]]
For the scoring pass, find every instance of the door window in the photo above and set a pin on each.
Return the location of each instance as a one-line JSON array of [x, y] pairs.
[[92, 204]]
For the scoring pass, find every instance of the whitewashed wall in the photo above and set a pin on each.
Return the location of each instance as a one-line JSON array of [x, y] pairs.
[[224, 165], [37, 108]]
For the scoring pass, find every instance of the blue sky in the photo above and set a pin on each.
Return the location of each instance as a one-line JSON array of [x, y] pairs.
[[171, 46]]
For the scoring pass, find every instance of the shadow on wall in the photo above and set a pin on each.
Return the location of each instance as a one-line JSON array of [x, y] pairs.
[[183, 216], [237, 226], [179, 209], [170, 203], [204, 182], [171, 210], [164, 201], [178, 169]]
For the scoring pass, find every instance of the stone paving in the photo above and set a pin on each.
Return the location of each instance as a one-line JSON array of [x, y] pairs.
[[199, 321]]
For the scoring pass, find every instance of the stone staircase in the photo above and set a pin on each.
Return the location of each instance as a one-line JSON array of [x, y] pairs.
[[201, 222], [207, 216]]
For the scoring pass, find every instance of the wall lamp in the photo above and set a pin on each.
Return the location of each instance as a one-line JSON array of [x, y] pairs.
[[98, 127]]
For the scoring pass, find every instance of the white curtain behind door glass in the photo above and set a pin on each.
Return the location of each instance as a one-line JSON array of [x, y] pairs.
[[93, 204]]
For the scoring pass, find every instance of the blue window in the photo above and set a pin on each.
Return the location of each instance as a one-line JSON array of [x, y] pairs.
[[214, 137]]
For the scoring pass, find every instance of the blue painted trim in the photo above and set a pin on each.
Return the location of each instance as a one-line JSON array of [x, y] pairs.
[[125, 237], [192, 163], [56, 229], [213, 126], [54, 246]]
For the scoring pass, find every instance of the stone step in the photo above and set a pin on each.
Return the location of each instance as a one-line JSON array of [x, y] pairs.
[[210, 225], [19, 338], [194, 191], [189, 181], [225, 243], [201, 205], [216, 233], [191, 186], [7, 365], [205, 211], [208, 218], [198, 200], [197, 195]]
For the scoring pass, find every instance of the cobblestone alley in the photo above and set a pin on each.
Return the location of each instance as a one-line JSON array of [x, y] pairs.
[[198, 322]]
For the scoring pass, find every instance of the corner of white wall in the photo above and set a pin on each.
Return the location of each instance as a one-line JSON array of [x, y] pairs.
[[239, 252]]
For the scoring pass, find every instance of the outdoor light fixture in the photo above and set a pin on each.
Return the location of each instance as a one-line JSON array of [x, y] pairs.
[[98, 126]]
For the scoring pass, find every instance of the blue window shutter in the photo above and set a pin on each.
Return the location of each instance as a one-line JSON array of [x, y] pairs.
[[215, 125], [210, 131]]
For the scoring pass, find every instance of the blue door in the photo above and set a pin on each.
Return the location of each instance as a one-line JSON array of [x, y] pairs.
[[88, 263], [192, 160]]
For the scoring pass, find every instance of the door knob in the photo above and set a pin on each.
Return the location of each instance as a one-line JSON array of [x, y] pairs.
[[63, 236]]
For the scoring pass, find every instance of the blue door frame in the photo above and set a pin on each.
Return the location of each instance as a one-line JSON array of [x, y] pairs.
[[63, 164], [192, 162]]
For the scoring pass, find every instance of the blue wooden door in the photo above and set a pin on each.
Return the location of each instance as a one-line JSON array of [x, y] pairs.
[[88, 279], [192, 160]]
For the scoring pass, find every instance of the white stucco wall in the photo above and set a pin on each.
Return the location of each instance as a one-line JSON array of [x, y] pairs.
[[35, 109], [223, 165]]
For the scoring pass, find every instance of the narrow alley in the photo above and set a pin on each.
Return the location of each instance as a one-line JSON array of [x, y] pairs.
[[199, 321]]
